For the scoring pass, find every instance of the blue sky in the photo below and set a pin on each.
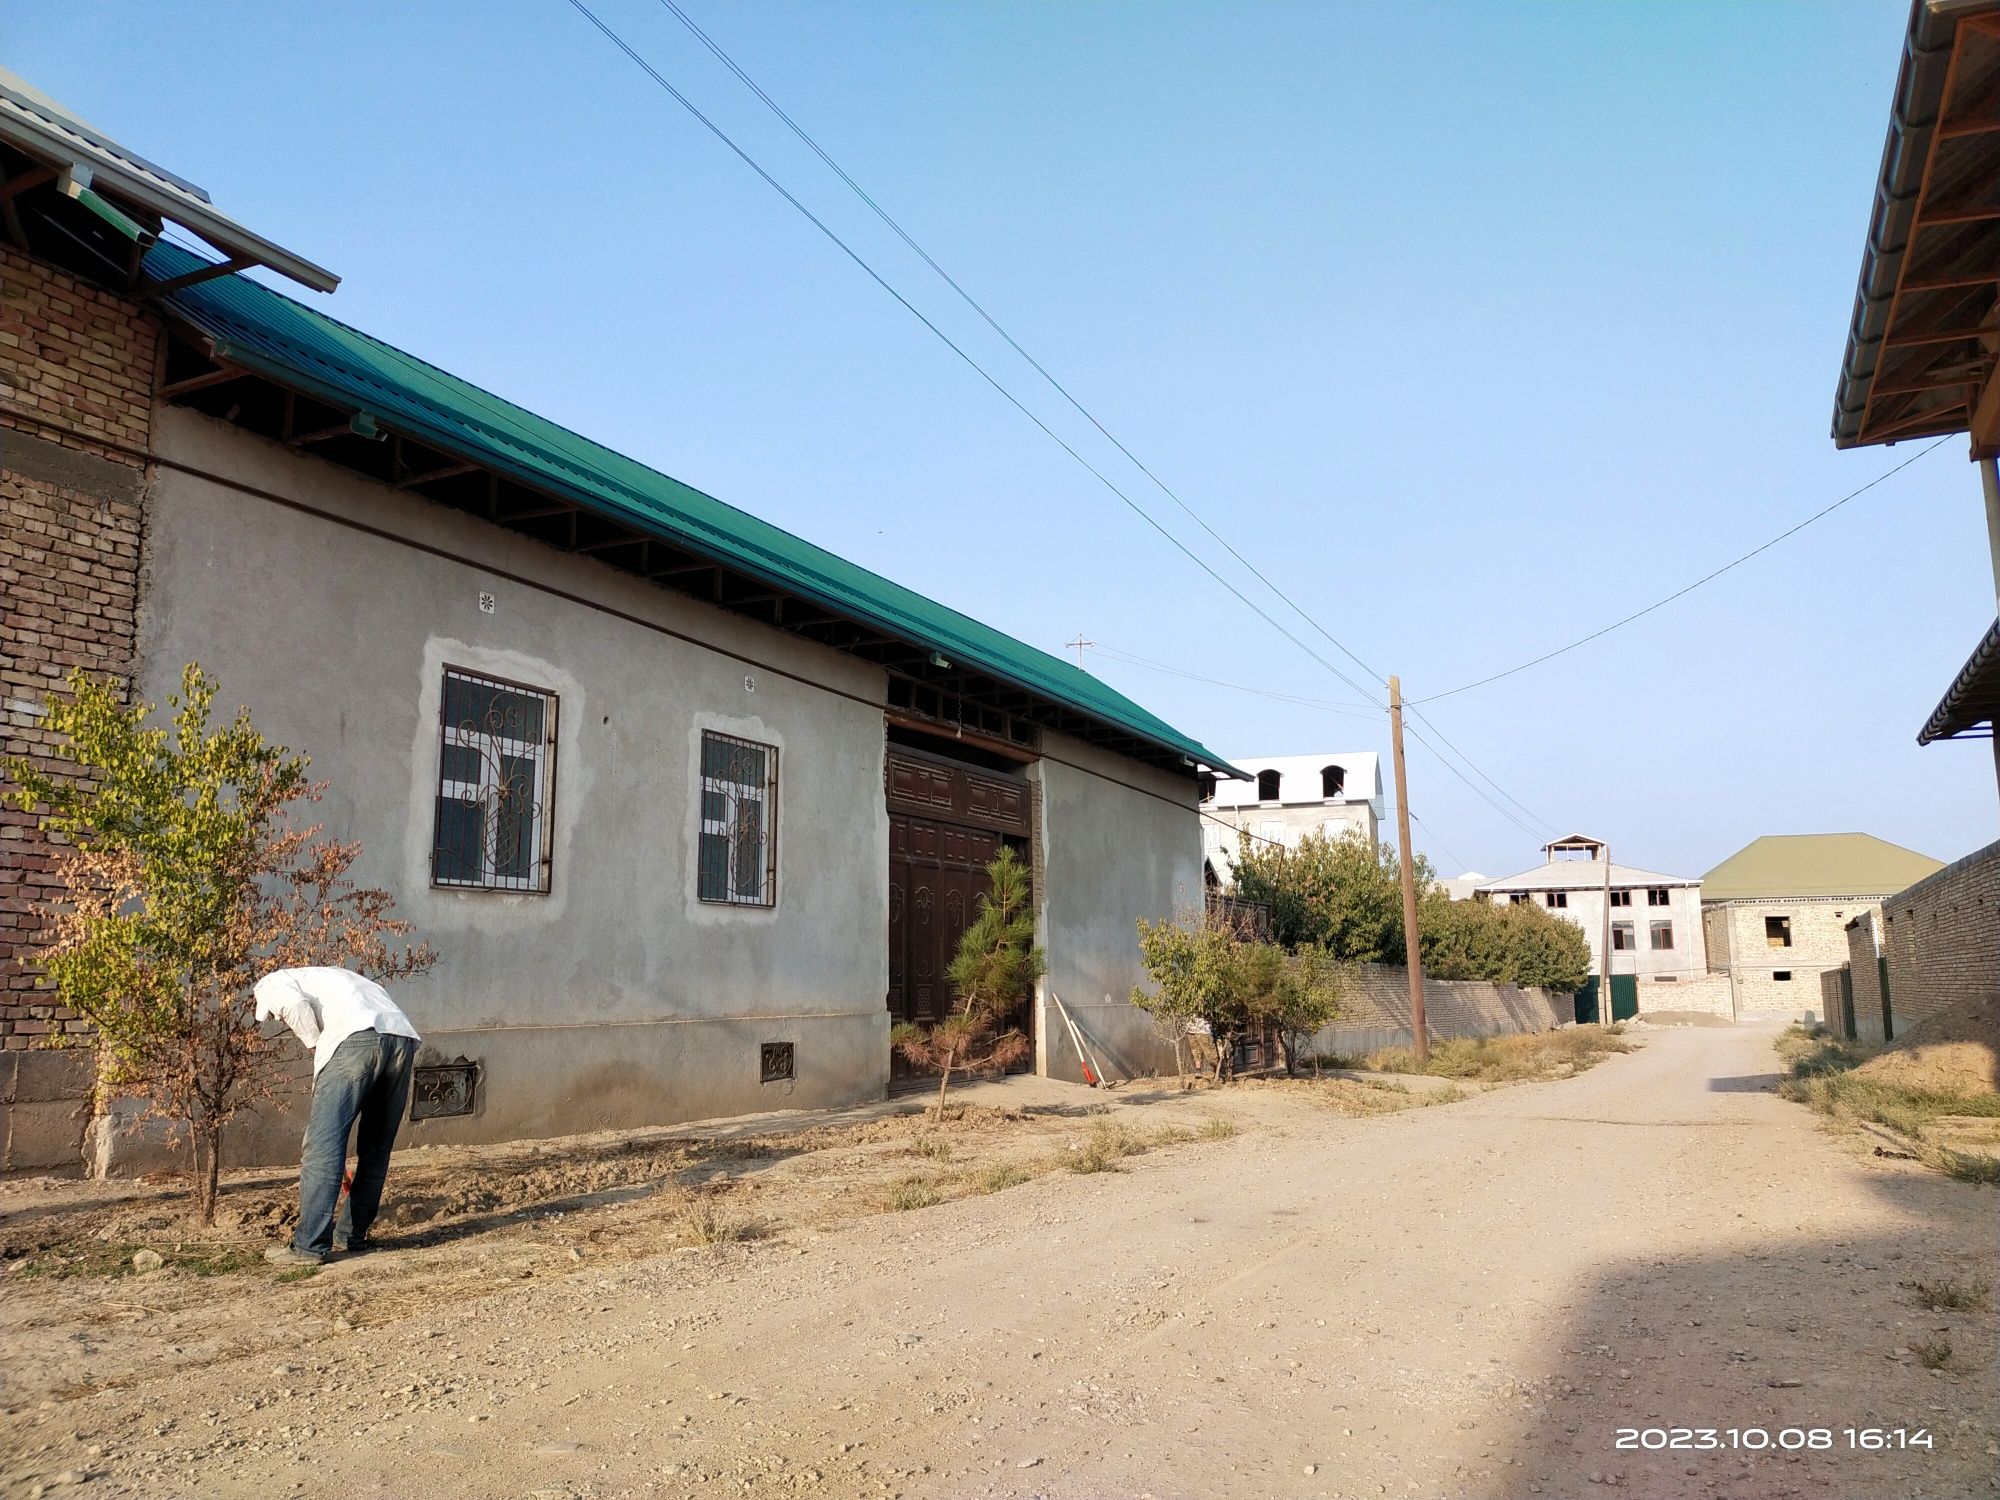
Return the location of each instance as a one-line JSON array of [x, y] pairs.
[[1473, 327]]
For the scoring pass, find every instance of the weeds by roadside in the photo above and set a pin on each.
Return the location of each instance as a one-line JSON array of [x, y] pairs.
[[1527, 1057], [1950, 1296], [114, 1260], [911, 1192], [1933, 1353], [1822, 1075], [706, 1222], [1001, 1176]]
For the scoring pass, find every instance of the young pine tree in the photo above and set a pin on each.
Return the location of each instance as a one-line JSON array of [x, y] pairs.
[[996, 964]]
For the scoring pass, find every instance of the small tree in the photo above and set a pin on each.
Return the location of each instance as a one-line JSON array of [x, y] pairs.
[[1203, 977], [997, 963], [1304, 998], [183, 881]]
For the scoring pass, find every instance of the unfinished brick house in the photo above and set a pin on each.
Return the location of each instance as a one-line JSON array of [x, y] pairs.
[[692, 809]]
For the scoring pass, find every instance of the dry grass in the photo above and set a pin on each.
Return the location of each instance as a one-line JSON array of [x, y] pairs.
[[932, 1147], [1933, 1353], [1823, 1073], [1106, 1147], [704, 1221], [1217, 1128], [1529, 1057], [910, 1192], [1003, 1175], [1950, 1296]]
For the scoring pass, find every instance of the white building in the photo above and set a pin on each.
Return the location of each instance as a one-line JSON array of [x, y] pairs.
[[1286, 798], [1656, 928], [1463, 887]]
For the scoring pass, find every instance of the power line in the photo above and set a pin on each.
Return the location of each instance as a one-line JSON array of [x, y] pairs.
[[717, 131], [1346, 709], [993, 323], [1015, 344], [1705, 578], [1131, 504]]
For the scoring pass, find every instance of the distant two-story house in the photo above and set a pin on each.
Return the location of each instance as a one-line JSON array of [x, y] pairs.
[[1284, 799], [1776, 912], [1656, 931]]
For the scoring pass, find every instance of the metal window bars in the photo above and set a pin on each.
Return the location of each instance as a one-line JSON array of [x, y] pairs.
[[496, 782], [738, 855]]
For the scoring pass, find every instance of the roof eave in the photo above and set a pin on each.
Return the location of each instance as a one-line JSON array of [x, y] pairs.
[[1194, 755], [106, 175]]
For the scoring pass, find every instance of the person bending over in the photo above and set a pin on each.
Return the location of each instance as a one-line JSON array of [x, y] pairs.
[[363, 1046]]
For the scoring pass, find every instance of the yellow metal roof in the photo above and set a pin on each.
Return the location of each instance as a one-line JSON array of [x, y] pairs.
[[1816, 864]]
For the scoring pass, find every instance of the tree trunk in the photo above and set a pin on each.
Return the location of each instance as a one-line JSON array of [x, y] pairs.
[[944, 1082], [207, 1169]]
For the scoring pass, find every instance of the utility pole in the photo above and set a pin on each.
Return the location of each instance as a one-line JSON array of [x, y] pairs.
[[1078, 645], [1604, 1008], [1412, 952]]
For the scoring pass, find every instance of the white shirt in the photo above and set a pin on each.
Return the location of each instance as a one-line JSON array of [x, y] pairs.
[[324, 1007]]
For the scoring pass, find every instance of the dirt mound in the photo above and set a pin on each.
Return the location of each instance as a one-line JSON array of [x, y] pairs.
[[1957, 1052]]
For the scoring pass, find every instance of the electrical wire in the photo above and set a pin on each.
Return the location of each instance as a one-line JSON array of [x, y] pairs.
[[1131, 504], [1705, 578], [991, 322], [717, 131], [1333, 706], [972, 302]]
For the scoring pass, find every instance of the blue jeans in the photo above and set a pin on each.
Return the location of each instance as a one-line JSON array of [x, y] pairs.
[[366, 1079]]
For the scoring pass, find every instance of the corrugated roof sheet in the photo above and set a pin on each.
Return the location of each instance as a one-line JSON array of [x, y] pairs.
[[1580, 875], [52, 132], [297, 346], [1816, 864], [1973, 697]]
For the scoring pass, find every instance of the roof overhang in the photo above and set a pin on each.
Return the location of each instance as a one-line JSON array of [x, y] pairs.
[[1972, 700], [1922, 345], [49, 145]]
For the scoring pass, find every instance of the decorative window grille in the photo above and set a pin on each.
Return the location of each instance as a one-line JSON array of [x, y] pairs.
[[496, 784], [739, 821], [777, 1062]]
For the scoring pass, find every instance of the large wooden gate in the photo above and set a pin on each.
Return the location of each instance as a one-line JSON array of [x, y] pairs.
[[946, 823]]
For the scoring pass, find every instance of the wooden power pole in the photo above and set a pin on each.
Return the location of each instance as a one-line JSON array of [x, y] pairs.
[[1412, 951], [1604, 1007]]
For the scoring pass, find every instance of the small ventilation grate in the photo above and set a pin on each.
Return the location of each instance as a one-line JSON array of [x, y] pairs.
[[446, 1089], [777, 1063]]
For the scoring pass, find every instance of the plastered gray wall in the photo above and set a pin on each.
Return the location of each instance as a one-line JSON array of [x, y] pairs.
[[617, 999], [1120, 841]]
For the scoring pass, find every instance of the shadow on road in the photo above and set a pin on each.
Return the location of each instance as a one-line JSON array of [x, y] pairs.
[[1748, 1083], [1760, 1362]]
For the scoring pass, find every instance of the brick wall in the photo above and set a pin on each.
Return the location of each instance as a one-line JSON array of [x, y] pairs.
[[71, 508], [1942, 940], [1863, 965], [1709, 994]]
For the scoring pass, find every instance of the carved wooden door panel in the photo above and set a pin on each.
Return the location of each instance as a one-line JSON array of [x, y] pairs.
[[937, 875]]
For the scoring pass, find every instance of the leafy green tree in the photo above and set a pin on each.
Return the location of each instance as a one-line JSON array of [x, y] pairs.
[[1342, 894], [1548, 950], [1305, 996], [1197, 982], [183, 881], [997, 963], [1521, 944]]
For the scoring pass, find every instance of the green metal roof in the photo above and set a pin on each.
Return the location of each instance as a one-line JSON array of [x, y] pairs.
[[1816, 864], [294, 345]]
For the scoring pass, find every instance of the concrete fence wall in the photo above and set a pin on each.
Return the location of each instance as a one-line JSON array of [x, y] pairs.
[[1378, 1013]]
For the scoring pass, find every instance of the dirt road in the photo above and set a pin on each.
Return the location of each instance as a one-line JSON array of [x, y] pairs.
[[1466, 1300]]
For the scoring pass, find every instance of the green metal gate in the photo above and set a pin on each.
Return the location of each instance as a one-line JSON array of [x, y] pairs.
[[1624, 999]]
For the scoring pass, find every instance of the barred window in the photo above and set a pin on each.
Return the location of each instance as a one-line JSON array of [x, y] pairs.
[[496, 783], [739, 821]]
